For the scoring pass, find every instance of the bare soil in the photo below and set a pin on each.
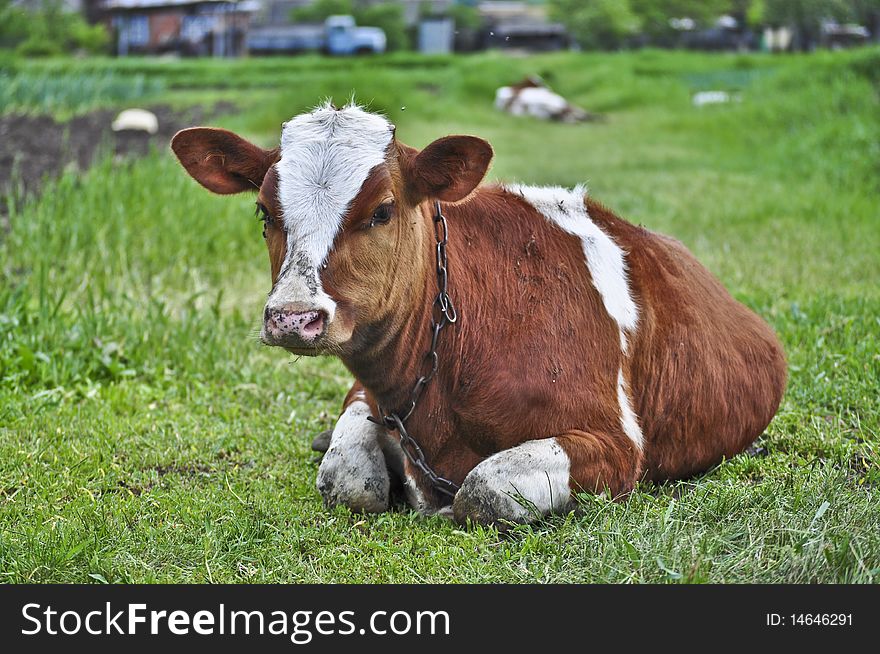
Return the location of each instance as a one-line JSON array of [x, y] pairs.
[[34, 149]]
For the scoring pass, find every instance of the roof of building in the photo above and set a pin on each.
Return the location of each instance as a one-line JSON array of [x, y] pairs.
[[245, 5]]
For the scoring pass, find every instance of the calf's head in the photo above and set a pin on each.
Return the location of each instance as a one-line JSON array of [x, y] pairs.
[[347, 218]]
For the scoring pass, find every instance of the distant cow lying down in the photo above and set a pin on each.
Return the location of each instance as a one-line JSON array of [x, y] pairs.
[[532, 97], [586, 353]]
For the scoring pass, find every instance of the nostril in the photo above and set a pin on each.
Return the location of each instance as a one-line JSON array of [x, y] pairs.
[[316, 325], [310, 325]]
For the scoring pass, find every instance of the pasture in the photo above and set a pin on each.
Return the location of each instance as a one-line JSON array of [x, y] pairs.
[[147, 436]]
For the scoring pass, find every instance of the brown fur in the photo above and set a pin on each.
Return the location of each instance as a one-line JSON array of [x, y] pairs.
[[276, 239], [537, 356], [534, 353], [707, 374]]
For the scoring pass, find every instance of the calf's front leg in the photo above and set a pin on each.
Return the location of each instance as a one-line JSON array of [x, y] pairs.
[[354, 472], [539, 477]]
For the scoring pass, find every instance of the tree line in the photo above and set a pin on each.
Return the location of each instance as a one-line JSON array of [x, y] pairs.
[[612, 24]]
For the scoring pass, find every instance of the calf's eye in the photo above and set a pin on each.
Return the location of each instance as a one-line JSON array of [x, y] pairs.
[[263, 214], [382, 214]]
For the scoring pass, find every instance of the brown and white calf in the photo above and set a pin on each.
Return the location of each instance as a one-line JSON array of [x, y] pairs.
[[588, 353]]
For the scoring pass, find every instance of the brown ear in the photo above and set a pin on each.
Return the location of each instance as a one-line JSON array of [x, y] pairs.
[[221, 161], [449, 169]]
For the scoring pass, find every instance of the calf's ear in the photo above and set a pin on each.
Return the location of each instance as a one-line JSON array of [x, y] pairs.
[[449, 169], [222, 161]]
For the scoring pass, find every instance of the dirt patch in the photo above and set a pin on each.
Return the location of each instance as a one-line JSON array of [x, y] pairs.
[[190, 471], [863, 470], [757, 450], [34, 149]]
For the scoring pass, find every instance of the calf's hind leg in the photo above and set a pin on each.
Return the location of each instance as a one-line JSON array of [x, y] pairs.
[[538, 477]]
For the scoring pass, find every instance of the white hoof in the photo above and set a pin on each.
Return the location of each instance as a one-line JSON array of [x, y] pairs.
[[353, 472], [517, 485]]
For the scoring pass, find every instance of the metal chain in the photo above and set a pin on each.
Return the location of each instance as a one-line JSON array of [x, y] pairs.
[[442, 313]]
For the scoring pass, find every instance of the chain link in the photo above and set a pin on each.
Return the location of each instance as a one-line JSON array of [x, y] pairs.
[[443, 313]]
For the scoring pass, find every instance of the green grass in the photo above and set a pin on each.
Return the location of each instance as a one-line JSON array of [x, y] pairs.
[[145, 435], [53, 93]]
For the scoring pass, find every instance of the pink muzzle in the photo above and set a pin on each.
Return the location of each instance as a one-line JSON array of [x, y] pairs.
[[306, 326]]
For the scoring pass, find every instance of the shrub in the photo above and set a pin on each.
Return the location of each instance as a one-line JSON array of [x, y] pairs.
[[36, 46], [598, 24], [388, 17], [48, 31]]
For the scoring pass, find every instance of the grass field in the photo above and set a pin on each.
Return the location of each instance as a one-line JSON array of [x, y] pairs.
[[146, 436]]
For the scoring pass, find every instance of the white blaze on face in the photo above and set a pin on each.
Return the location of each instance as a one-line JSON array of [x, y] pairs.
[[326, 155]]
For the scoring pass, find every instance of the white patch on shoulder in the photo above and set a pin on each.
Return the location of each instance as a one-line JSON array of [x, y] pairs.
[[326, 155], [607, 264], [519, 484], [605, 260], [353, 472], [629, 422]]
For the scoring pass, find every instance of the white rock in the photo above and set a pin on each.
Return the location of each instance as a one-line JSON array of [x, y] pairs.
[[710, 97], [139, 120]]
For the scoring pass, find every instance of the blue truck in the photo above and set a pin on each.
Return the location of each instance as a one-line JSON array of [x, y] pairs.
[[338, 35]]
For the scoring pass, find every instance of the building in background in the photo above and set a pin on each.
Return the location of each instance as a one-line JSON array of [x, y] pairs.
[[277, 12], [521, 26], [415, 10], [436, 35], [337, 35], [835, 36], [226, 28], [216, 28]]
